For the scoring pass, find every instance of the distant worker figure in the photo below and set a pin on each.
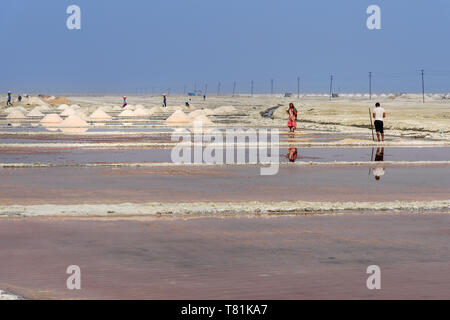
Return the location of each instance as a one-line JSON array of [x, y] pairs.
[[186, 103], [292, 122], [19, 98], [379, 171], [164, 100], [379, 114], [124, 101], [8, 103], [204, 97]]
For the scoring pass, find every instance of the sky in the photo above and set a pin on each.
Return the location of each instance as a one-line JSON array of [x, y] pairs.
[[141, 46]]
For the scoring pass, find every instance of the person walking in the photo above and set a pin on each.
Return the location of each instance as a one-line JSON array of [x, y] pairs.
[[124, 101], [8, 103], [292, 122], [379, 114]]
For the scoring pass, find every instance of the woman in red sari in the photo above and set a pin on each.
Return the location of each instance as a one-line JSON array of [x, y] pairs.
[[292, 122]]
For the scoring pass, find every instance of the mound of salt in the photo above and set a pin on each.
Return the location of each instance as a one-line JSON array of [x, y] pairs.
[[225, 110], [16, 114], [58, 100], [177, 117], [34, 100], [75, 107], [156, 110], [51, 118], [63, 107], [12, 109], [43, 108], [73, 121], [99, 114], [67, 112], [202, 120], [127, 114], [142, 112], [129, 107], [35, 113], [207, 111], [196, 113], [117, 108]]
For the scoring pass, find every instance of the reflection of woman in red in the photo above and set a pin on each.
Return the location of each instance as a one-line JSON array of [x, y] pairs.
[[292, 122], [292, 155]]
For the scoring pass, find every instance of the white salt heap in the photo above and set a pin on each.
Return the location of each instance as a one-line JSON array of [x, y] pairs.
[[142, 112], [156, 110], [43, 108], [127, 114], [16, 114], [34, 100], [177, 117], [202, 120], [196, 113], [225, 110], [67, 112], [101, 115], [51, 118], [74, 121], [63, 107], [35, 113]]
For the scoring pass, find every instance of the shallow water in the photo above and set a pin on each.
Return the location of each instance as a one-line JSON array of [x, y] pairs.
[[142, 155], [71, 185]]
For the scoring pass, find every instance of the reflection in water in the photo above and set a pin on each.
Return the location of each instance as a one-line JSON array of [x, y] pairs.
[[292, 154], [379, 170]]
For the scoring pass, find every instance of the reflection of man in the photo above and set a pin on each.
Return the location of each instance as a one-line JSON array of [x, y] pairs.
[[379, 171], [292, 154]]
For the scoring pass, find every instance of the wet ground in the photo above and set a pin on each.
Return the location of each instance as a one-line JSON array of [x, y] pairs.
[[91, 155], [72, 185], [307, 257]]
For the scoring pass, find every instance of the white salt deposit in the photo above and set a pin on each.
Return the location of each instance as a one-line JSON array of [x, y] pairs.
[[156, 110], [63, 107], [68, 112], [75, 107], [127, 114], [177, 117], [16, 114], [51, 119], [43, 108], [73, 121], [196, 113], [202, 120], [34, 100], [99, 114], [225, 110], [35, 113], [142, 112]]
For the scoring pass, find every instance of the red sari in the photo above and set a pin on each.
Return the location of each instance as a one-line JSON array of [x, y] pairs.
[[292, 122]]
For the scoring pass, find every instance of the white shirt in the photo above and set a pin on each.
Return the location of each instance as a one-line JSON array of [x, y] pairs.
[[379, 111], [378, 171]]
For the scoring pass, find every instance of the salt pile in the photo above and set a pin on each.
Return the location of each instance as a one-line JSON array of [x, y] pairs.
[[58, 100], [156, 110], [127, 113], [74, 121], [63, 107], [225, 110], [35, 113], [43, 108], [101, 115], [196, 113], [177, 117], [129, 107], [202, 120], [16, 114], [68, 112], [51, 119], [75, 107], [11, 109], [142, 112], [34, 100]]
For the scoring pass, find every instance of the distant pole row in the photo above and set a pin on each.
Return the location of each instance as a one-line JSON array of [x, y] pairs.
[[332, 78]]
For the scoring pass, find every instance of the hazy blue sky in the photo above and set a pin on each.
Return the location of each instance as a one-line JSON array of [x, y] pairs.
[[142, 45]]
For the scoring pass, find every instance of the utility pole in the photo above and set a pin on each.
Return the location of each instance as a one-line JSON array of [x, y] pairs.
[[423, 86], [370, 85], [271, 86], [218, 88], [251, 88], [234, 87], [298, 87], [331, 86]]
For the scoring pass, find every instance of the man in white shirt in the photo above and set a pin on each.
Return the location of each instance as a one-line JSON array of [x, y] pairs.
[[379, 114]]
